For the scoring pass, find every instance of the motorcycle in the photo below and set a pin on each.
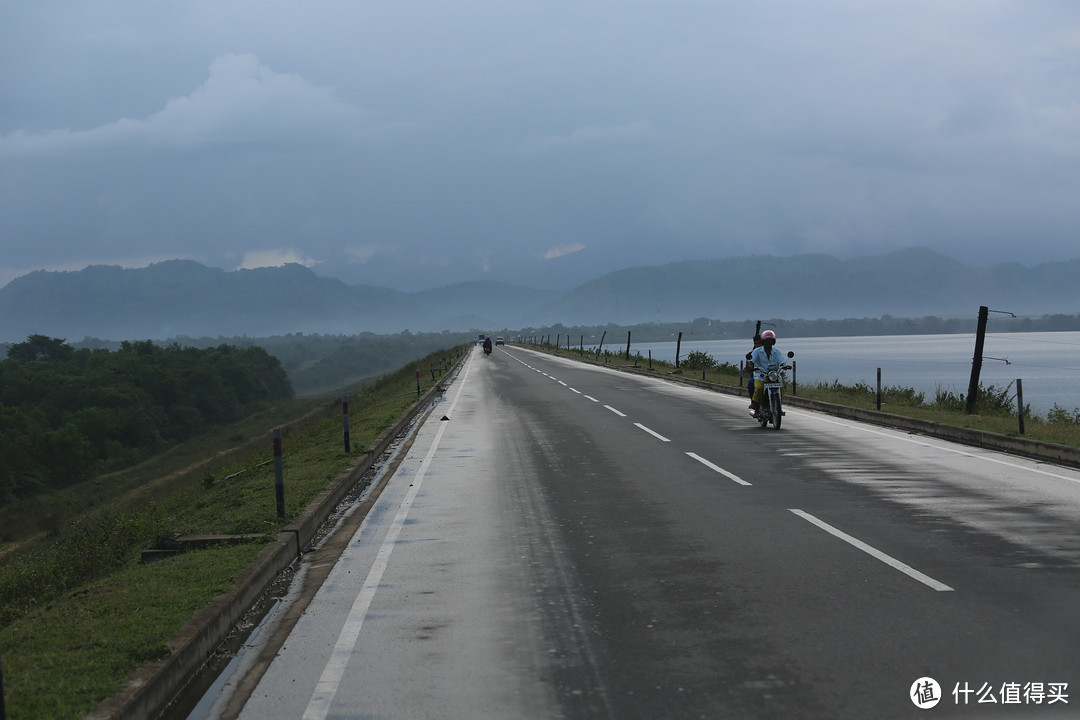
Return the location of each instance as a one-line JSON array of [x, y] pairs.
[[487, 346], [771, 409]]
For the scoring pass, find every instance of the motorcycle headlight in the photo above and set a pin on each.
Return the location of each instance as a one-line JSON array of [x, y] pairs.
[[773, 376]]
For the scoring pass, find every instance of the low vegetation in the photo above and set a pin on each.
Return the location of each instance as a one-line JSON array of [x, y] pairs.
[[79, 612]]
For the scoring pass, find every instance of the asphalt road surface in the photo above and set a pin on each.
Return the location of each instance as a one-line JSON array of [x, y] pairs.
[[564, 541]]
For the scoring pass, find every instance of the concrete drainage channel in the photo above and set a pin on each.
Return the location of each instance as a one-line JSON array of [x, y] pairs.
[[201, 649]]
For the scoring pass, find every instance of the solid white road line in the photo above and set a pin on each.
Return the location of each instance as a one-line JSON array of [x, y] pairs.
[[717, 468], [888, 560], [326, 689], [655, 434], [944, 448]]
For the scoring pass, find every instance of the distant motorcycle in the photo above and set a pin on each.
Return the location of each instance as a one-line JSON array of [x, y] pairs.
[[487, 346], [771, 409]]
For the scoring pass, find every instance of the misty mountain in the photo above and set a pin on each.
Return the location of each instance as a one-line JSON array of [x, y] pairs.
[[185, 298], [909, 283]]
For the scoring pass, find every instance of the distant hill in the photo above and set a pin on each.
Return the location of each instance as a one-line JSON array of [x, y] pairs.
[[183, 298], [180, 297], [912, 283]]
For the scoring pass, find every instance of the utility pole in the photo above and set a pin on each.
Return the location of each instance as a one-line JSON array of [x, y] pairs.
[[976, 362]]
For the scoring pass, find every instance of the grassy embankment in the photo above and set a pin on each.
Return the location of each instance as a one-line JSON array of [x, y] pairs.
[[995, 411], [79, 613]]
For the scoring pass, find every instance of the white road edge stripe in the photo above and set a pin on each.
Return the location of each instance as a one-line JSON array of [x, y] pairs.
[[326, 689], [717, 468], [890, 561], [854, 425], [655, 434]]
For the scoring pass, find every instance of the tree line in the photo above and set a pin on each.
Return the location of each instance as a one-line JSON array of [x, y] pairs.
[[704, 328], [67, 414]]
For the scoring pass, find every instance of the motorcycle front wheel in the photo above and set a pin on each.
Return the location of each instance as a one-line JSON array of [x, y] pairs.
[[774, 408]]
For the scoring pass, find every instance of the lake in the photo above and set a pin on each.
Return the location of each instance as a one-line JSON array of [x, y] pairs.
[[1048, 363]]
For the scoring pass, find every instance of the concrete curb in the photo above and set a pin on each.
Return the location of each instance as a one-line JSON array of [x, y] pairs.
[[153, 687], [1034, 449]]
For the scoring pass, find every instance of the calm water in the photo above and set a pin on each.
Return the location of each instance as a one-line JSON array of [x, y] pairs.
[[1048, 363]]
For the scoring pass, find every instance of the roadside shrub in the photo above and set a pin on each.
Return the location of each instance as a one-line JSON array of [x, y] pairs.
[[699, 360], [898, 395], [1058, 415], [991, 400]]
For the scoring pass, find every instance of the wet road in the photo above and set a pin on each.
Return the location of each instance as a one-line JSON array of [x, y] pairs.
[[573, 542]]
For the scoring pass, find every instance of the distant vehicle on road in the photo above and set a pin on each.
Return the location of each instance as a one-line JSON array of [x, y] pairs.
[[500, 340]]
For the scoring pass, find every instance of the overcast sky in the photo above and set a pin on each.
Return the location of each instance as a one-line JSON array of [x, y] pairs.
[[412, 144]]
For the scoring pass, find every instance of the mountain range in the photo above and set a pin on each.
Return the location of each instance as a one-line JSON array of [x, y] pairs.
[[184, 298]]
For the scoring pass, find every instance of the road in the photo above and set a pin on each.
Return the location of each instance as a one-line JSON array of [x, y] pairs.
[[564, 541]]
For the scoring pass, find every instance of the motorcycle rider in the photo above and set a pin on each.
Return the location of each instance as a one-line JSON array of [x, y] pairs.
[[765, 358], [750, 369]]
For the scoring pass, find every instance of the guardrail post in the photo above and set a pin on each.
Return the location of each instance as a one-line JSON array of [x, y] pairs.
[[627, 344], [417, 382], [678, 349], [345, 420], [879, 388], [1020, 403], [279, 474], [794, 378]]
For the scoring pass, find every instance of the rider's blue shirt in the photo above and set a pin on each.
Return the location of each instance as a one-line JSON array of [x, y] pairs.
[[764, 362]]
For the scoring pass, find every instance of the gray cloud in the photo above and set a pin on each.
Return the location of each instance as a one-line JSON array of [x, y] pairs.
[[422, 143], [241, 101]]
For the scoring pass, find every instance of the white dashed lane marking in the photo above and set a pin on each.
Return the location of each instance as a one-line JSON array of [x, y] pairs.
[[717, 468], [875, 553]]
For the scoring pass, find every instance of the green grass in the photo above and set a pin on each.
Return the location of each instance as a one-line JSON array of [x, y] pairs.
[[79, 614], [63, 658]]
